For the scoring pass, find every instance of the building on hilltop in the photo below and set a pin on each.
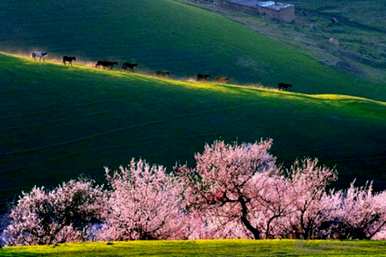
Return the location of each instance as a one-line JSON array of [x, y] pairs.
[[276, 10]]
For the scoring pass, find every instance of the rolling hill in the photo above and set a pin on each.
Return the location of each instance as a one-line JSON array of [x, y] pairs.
[[170, 35], [58, 122]]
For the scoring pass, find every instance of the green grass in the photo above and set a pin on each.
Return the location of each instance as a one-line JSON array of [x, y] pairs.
[[167, 34], [58, 122], [224, 248], [364, 12], [360, 32]]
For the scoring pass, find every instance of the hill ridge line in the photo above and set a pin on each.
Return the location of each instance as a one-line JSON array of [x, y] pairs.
[[256, 88]]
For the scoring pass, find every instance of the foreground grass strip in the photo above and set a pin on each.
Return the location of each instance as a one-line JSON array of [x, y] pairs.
[[206, 248]]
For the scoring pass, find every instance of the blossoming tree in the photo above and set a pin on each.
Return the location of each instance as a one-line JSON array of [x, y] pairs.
[[64, 214], [233, 191], [144, 203]]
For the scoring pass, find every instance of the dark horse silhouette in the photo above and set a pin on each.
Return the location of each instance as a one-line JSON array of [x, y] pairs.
[[202, 77], [68, 59], [283, 86], [105, 64], [163, 73], [129, 66]]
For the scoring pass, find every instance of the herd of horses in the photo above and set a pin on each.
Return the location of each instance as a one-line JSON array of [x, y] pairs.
[[68, 60]]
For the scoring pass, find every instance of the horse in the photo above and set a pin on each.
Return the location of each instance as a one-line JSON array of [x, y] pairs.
[[202, 77], [68, 59], [163, 73], [106, 64], [39, 54], [129, 66], [222, 79], [334, 20], [284, 86]]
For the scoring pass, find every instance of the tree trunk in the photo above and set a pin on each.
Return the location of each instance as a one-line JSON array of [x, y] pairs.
[[244, 219]]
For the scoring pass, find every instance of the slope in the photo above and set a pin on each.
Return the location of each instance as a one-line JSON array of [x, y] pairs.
[[58, 122], [170, 35]]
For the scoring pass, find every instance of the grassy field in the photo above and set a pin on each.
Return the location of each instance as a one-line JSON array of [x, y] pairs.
[[170, 35], [360, 31], [58, 122], [359, 45], [362, 12], [223, 248]]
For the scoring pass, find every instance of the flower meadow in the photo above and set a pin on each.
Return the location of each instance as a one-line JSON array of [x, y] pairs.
[[232, 191]]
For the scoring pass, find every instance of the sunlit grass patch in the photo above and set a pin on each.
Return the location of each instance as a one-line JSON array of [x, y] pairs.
[[191, 82], [206, 248], [198, 42]]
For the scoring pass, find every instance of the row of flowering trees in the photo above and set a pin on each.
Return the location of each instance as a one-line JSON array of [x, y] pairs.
[[233, 191]]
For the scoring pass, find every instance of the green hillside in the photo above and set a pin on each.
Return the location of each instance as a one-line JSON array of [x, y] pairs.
[[170, 35], [58, 122], [204, 248]]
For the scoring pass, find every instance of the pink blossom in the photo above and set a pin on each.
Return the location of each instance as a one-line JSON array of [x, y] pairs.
[[144, 203], [233, 191], [362, 213], [65, 214], [223, 184]]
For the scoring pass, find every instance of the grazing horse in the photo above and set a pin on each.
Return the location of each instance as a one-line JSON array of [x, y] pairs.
[[334, 20], [40, 55], [106, 64], [68, 59], [222, 79], [284, 86], [163, 73], [202, 77], [129, 66]]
